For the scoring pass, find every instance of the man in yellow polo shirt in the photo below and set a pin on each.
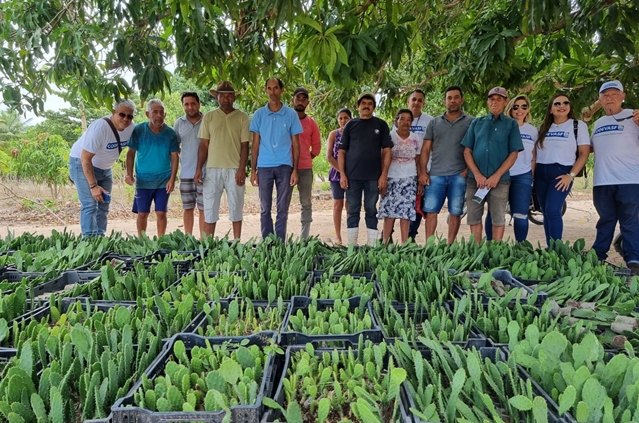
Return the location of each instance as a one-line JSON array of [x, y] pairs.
[[224, 146]]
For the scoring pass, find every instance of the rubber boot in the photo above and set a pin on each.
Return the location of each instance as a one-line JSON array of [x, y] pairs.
[[353, 234], [372, 237]]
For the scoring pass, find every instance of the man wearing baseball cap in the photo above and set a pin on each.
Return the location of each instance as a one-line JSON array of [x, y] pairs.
[[492, 144], [224, 146], [615, 141], [364, 158], [310, 147]]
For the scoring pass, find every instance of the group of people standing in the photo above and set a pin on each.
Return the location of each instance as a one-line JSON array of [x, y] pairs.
[[415, 165]]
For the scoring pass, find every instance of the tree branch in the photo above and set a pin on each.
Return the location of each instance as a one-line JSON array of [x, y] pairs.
[[38, 202], [406, 88], [365, 6]]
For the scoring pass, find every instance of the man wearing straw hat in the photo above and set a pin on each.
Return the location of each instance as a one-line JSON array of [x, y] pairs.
[[224, 137]]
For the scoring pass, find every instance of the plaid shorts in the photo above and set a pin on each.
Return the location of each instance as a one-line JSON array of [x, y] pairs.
[[191, 194]]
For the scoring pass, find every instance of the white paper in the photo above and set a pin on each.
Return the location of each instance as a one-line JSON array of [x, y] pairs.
[[480, 195]]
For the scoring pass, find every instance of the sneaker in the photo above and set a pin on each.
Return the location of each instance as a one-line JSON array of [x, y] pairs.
[[634, 268]]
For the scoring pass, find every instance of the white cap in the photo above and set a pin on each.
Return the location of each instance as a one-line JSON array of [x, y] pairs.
[[611, 84]]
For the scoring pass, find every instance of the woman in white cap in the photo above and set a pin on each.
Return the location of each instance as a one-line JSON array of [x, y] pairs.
[[562, 151]]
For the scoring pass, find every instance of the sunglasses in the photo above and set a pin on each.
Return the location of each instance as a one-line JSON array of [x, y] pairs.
[[125, 115], [559, 103], [523, 107]]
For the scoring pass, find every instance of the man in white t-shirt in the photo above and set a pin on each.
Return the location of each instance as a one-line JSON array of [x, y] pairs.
[[90, 162], [615, 141], [416, 100]]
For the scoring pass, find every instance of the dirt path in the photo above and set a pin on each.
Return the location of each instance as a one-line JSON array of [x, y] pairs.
[[579, 222]]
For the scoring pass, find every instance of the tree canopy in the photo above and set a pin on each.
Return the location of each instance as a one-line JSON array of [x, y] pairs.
[[336, 48]]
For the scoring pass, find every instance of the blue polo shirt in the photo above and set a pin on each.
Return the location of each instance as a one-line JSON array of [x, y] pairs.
[[492, 140], [276, 130]]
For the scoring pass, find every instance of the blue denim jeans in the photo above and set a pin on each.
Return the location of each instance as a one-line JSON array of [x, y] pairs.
[[354, 200], [551, 199], [280, 176], [93, 215], [519, 199], [617, 203]]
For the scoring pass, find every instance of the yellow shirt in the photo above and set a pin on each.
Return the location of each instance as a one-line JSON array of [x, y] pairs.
[[226, 133]]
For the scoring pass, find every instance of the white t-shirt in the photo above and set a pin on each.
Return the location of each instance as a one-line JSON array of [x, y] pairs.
[[524, 158], [403, 155], [616, 147], [418, 127], [559, 144], [99, 140]]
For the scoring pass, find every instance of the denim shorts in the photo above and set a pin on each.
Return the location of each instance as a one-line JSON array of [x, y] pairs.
[[337, 190], [452, 187]]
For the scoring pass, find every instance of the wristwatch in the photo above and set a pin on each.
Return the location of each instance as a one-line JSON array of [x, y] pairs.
[[572, 175]]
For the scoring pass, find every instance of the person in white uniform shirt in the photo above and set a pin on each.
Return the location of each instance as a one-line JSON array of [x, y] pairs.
[[90, 162], [520, 190], [556, 164], [615, 142]]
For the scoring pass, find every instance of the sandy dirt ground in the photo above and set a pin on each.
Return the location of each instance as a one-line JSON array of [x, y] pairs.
[[579, 220]]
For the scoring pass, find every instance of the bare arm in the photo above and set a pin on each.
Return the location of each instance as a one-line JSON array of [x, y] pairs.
[[240, 176], [296, 158], [330, 144], [202, 156], [255, 152], [341, 160], [472, 166], [382, 183], [89, 174], [130, 161], [424, 155], [175, 161]]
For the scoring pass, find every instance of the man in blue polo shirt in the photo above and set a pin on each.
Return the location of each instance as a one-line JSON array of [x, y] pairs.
[[492, 144], [276, 153]]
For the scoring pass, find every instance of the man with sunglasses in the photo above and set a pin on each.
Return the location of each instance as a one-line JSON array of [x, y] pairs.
[[90, 162], [615, 142]]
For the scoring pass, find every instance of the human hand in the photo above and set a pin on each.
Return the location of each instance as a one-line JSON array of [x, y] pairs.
[[294, 178], [420, 189], [464, 174], [564, 182], [170, 186], [198, 177], [635, 116], [382, 184], [492, 182], [240, 177], [424, 180], [129, 180], [480, 180], [343, 182], [96, 193], [254, 180]]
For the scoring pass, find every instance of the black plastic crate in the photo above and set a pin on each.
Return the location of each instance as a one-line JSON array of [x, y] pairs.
[[202, 319], [181, 265], [271, 415], [302, 303], [111, 258], [506, 278], [8, 274], [71, 277], [475, 338], [124, 411], [177, 284], [492, 354]]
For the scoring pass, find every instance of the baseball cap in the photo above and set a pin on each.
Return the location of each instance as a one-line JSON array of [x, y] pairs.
[[300, 90], [499, 91], [369, 95], [611, 84]]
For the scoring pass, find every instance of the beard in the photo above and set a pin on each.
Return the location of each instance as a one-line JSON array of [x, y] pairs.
[[300, 108]]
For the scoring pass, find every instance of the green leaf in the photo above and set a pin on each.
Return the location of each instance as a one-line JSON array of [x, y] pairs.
[[230, 371], [521, 403], [567, 399], [540, 410], [323, 409]]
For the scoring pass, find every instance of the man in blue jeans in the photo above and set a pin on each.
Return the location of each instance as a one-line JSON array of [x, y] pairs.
[[276, 153], [615, 141], [364, 158], [448, 172], [90, 162]]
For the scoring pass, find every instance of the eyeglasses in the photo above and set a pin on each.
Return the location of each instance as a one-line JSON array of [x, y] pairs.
[[559, 103], [126, 115], [523, 107]]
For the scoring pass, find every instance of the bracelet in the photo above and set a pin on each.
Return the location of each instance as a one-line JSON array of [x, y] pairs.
[[570, 176], [93, 186]]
